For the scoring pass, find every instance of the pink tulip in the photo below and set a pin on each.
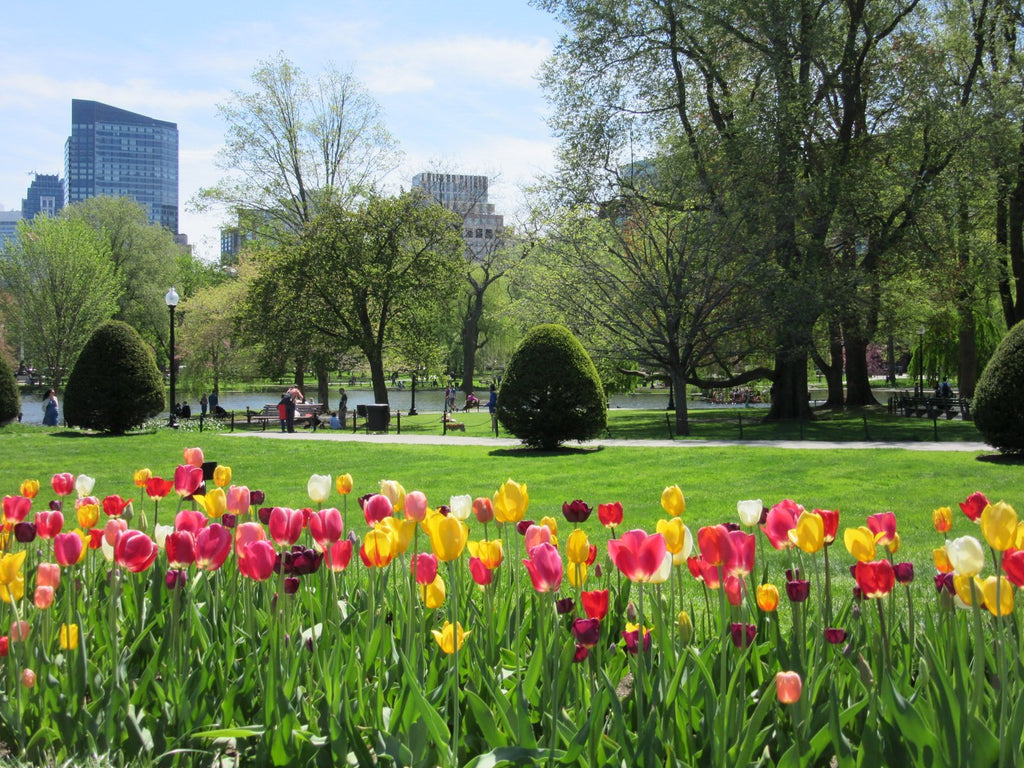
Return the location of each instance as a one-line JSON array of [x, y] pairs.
[[135, 551], [780, 521], [424, 568], [536, 535], [67, 548], [326, 527], [16, 508], [376, 508], [213, 545], [187, 479], [637, 554], [247, 533], [285, 525], [181, 549], [191, 520], [788, 687], [257, 560], [48, 575], [238, 499], [883, 525], [740, 559], [43, 597], [338, 555], [63, 483], [49, 522], [481, 574], [545, 567], [115, 526], [415, 505]]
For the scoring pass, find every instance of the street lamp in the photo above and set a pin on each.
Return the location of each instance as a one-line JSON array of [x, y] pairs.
[[920, 358], [412, 405], [171, 298]]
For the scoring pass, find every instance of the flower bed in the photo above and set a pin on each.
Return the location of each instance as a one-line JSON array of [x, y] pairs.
[[191, 616]]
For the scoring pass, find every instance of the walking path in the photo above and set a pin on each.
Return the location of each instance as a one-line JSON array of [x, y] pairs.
[[505, 442]]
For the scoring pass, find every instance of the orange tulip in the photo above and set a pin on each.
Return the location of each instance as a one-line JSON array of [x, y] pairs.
[[788, 687]]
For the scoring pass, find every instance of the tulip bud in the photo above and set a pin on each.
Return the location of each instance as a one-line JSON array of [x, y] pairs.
[[28, 678], [631, 613], [685, 624]]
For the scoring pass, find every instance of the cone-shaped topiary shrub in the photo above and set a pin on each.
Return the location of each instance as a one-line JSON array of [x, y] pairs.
[[10, 398], [551, 391], [999, 397], [115, 384]]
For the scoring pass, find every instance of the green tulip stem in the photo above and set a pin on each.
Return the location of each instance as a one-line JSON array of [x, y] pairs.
[[453, 577]]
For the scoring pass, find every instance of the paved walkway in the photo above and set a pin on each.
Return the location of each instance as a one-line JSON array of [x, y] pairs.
[[504, 442]]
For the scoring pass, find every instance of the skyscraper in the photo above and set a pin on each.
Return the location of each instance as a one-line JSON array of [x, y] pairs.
[[466, 196], [45, 195], [121, 154]]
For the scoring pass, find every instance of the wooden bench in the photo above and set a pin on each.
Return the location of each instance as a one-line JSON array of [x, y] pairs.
[[305, 413], [932, 407]]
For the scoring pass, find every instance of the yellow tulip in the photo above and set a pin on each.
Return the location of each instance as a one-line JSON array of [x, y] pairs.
[[674, 533], [343, 484], [379, 548], [860, 542], [88, 515], [451, 637], [29, 488], [894, 544], [988, 588], [999, 525], [488, 552], [434, 593], [511, 502], [941, 560], [673, 501], [962, 587], [767, 597], [685, 625], [69, 636], [400, 530], [142, 476], [1018, 542], [809, 533], [12, 581], [576, 573], [577, 548], [222, 476], [394, 492], [448, 538], [942, 519], [552, 525], [215, 502]]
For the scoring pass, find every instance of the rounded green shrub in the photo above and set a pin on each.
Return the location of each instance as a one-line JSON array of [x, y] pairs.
[[998, 405], [551, 391], [10, 398], [115, 384]]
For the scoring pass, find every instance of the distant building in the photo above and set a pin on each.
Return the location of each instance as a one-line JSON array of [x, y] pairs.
[[466, 196], [8, 225], [45, 195], [118, 153]]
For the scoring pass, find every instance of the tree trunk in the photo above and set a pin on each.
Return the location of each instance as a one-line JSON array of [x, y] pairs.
[[789, 393], [679, 391], [323, 385], [858, 382], [470, 338], [377, 378], [300, 374], [967, 354], [834, 371]]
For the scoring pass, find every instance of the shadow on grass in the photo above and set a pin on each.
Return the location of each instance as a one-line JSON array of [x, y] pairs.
[[533, 453], [74, 433], [1009, 459]]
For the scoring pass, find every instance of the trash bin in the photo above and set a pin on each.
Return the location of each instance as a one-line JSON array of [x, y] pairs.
[[378, 417]]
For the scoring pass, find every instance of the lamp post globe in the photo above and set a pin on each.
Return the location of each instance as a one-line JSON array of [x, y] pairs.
[[171, 298]]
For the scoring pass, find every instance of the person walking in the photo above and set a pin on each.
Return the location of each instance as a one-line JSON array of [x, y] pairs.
[[51, 411], [342, 407], [294, 395], [204, 403], [492, 408], [282, 411]]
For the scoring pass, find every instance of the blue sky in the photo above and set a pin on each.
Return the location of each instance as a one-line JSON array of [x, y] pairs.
[[456, 80]]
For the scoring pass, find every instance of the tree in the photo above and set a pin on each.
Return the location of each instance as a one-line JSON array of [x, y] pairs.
[[115, 384], [208, 337], [10, 398], [999, 399], [364, 274], [551, 392], [61, 286]]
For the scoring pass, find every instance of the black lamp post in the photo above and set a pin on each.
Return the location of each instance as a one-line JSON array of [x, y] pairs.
[[412, 405], [171, 298], [920, 359]]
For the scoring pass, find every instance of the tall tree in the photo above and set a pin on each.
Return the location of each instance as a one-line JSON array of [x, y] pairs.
[[60, 286], [363, 274]]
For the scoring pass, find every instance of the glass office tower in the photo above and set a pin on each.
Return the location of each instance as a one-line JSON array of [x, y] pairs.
[[121, 154], [45, 196]]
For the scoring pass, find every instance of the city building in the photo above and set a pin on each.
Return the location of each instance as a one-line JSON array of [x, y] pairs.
[[8, 225], [466, 196], [118, 153], [45, 195]]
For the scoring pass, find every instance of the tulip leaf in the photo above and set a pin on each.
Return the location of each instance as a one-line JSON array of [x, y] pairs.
[[510, 756], [485, 719], [436, 725], [229, 733], [984, 744]]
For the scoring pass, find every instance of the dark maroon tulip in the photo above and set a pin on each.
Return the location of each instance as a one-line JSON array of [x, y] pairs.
[[742, 634], [257, 497], [587, 631], [904, 572], [576, 511], [835, 635], [798, 590], [564, 606], [25, 531]]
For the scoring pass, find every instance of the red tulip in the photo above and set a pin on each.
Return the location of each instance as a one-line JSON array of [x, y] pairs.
[[481, 574], [158, 488], [637, 554], [338, 555], [830, 518], [733, 590], [135, 551], [710, 574], [1013, 565], [974, 505], [483, 508], [67, 548], [883, 525], [213, 545], [610, 514], [788, 687], [715, 546], [63, 483], [326, 527], [16, 508], [285, 525], [780, 521], [49, 523], [424, 568], [257, 560], [739, 560], [545, 567], [114, 506], [181, 549], [595, 603], [376, 508], [191, 520], [875, 579], [187, 480]]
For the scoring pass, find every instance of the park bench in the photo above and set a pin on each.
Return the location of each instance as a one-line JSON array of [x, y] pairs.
[[305, 413], [932, 407]]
